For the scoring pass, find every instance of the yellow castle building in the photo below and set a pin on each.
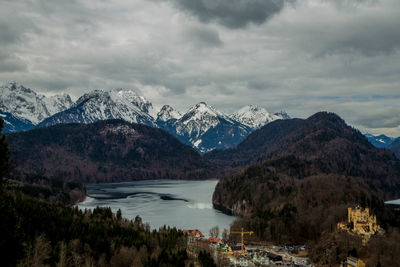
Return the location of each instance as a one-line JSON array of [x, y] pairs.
[[360, 222], [354, 262]]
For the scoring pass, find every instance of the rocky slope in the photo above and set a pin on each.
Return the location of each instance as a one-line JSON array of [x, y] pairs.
[[28, 105], [103, 105], [206, 128], [256, 117], [13, 124], [307, 173], [105, 151]]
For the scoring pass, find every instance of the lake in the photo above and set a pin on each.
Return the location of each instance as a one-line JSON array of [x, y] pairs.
[[180, 203]]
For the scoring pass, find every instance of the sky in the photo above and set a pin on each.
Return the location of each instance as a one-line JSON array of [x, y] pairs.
[[301, 56]]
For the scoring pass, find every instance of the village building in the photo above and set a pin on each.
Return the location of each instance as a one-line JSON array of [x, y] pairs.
[[354, 262]]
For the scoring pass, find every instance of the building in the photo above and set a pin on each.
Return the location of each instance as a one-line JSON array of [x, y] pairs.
[[354, 262], [193, 239], [360, 222]]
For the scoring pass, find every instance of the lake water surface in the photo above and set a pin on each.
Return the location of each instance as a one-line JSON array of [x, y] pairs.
[[180, 203]]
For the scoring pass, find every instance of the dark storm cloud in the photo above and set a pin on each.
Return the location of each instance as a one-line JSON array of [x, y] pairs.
[[232, 13]]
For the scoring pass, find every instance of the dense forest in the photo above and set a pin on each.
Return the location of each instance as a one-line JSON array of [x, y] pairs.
[[105, 151], [307, 178], [38, 229], [395, 147]]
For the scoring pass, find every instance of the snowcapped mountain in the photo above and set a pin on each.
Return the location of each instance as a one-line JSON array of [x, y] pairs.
[[103, 105], [205, 128], [202, 126], [26, 104], [380, 141], [168, 113], [199, 119], [13, 124], [256, 117]]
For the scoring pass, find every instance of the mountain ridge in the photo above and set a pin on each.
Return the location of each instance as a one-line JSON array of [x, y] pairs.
[[201, 126], [26, 104], [302, 185], [106, 151]]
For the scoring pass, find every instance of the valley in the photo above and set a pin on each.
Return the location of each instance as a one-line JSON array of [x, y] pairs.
[[200, 133], [288, 181]]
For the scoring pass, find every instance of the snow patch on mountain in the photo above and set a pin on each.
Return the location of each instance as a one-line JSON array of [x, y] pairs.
[[104, 105], [205, 128], [26, 104], [198, 120], [168, 113], [380, 141], [255, 117], [13, 124]]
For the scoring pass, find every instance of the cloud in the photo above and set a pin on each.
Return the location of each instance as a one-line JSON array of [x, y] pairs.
[[303, 57], [203, 37], [231, 13], [341, 27], [381, 118], [11, 63]]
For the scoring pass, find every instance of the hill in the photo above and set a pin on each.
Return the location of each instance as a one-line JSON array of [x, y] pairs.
[[105, 151], [307, 173], [395, 147], [37, 233], [255, 146]]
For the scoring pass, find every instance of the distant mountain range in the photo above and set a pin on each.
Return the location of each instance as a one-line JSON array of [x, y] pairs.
[[380, 141], [202, 126], [383, 141]]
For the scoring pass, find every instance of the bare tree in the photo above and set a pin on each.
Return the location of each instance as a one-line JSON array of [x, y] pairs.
[[63, 255], [225, 235]]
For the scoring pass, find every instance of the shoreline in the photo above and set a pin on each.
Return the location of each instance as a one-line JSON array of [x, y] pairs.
[[155, 179], [151, 179]]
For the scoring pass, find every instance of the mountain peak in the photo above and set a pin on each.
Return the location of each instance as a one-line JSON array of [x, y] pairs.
[[203, 112], [326, 116], [255, 116], [202, 106], [167, 113], [98, 105], [26, 104], [128, 96]]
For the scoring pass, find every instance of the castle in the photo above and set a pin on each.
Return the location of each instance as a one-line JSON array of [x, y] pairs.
[[360, 222]]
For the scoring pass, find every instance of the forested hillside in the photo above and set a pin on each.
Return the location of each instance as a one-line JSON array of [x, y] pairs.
[[105, 151], [307, 178], [35, 232]]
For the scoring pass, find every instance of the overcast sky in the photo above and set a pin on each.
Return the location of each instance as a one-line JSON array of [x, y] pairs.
[[300, 56]]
